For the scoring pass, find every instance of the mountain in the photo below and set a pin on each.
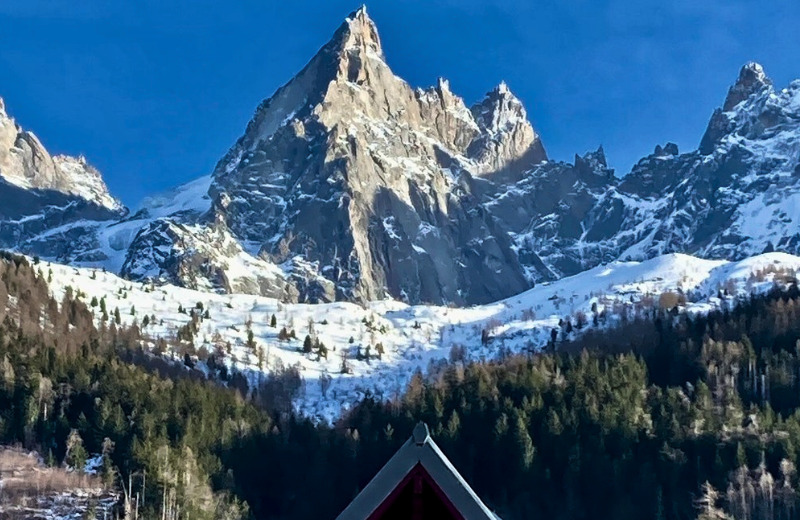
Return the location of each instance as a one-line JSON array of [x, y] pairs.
[[368, 179], [733, 197], [349, 184], [361, 187], [26, 164], [40, 192]]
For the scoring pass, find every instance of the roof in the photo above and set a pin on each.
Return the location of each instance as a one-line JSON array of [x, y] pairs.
[[418, 450]]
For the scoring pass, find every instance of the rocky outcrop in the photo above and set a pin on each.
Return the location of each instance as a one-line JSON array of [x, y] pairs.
[[201, 257]]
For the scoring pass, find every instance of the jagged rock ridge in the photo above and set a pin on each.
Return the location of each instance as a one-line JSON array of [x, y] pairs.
[[732, 198]]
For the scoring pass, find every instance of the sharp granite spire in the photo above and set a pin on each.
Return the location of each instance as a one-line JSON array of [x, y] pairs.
[[752, 82], [508, 144], [752, 79]]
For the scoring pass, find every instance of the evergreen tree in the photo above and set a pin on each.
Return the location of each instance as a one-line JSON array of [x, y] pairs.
[[76, 454]]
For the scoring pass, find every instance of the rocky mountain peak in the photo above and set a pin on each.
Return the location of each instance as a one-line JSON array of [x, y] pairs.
[[26, 164], [593, 162], [351, 169], [352, 57], [752, 79], [499, 110], [443, 86], [666, 150], [363, 30], [508, 142], [356, 38], [353, 185]]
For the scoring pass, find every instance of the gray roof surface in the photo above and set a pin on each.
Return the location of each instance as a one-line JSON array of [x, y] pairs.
[[419, 449]]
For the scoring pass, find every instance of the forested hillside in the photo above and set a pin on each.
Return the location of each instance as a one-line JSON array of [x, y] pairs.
[[669, 416]]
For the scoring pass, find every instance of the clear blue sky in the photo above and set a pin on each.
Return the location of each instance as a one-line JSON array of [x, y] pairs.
[[154, 92]]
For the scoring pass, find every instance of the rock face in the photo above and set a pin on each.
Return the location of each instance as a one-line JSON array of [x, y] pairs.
[[351, 168], [349, 184]]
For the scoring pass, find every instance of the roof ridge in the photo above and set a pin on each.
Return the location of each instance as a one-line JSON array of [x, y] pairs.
[[420, 449]]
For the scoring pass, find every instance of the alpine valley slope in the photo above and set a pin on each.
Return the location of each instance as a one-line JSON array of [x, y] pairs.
[[411, 338], [350, 185]]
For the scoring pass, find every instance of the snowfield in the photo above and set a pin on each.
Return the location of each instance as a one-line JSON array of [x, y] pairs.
[[412, 337]]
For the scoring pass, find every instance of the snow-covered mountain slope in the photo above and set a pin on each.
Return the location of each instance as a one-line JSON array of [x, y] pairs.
[[412, 337]]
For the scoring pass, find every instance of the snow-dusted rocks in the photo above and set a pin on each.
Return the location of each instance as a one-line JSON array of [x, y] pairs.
[[736, 196], [49, 205], [507, 144]]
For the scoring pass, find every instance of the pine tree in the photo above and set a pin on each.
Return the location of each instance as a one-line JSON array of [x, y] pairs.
[[107, 472], [524, 443], [76, 454], [345, 366]]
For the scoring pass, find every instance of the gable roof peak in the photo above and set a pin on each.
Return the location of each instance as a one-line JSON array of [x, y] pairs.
[[421, 434], [419, 451]]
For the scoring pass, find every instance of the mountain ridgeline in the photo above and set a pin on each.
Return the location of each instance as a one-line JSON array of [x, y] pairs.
[[349, 184]]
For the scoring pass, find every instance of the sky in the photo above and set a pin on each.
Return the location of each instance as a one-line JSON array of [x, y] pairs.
[[154, 92]]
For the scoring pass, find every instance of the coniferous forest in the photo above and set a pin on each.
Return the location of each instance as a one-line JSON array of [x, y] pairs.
[[668, 416]]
